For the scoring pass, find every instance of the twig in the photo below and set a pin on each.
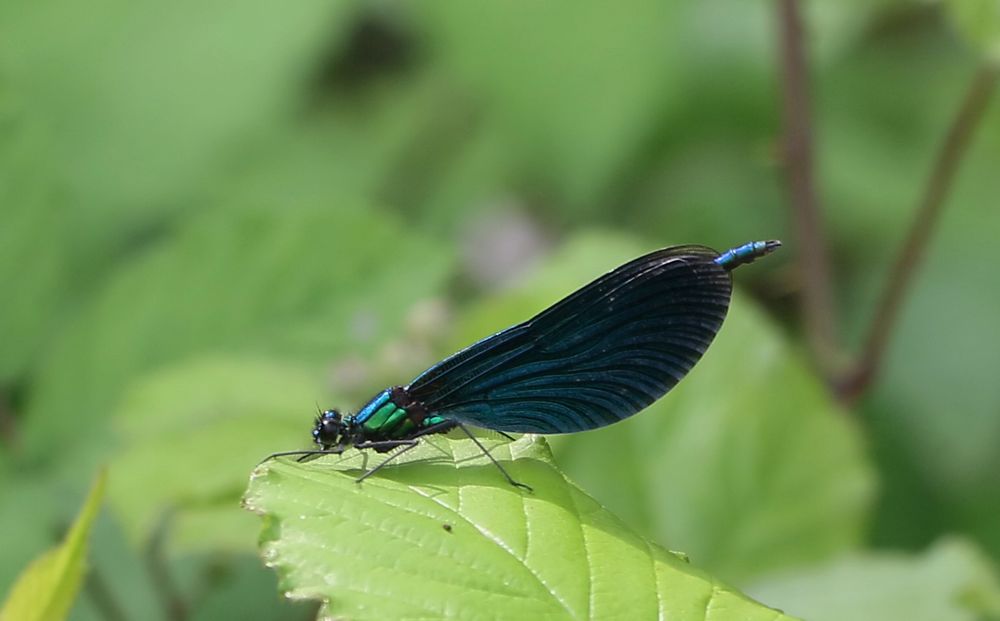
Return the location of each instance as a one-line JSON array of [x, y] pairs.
[[817, 300], [928, 213]]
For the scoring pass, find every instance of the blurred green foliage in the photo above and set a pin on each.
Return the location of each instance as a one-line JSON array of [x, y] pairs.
[[949, 581], [214, 215], [47, 589]]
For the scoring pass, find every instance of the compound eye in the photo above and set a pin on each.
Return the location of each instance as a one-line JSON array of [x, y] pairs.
[[331, 415]]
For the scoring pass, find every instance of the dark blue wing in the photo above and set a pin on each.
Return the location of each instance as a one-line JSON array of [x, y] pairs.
[[596, 357]]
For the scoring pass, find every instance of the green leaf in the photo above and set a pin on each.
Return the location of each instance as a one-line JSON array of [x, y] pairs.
[[299, 280], [47, 588], [575, 92], [34, 234], [29, 504], [979, 23], [449, 537], [746, 465], [194, 428], [155, 115], [952, 581]]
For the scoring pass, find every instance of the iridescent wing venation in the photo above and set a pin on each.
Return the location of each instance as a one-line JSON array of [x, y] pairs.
[[482, 352], [598, 356]]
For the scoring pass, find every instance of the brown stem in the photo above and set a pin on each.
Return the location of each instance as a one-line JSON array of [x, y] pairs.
[[807, 221], [949, 156]]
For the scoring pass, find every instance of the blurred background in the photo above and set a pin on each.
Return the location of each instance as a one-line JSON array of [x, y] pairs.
[[215, 216]]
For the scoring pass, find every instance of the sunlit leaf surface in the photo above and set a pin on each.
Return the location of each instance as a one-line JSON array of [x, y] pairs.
[[445, 536]]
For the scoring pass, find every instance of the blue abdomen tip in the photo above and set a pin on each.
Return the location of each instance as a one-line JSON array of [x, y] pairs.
[[747, 253]]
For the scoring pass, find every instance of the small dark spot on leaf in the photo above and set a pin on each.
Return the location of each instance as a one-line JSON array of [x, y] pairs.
[[447, 527]]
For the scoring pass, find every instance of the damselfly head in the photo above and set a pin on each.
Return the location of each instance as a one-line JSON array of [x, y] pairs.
[[329, 429]]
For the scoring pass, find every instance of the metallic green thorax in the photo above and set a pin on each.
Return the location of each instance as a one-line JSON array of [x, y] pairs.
[[391, 422]]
